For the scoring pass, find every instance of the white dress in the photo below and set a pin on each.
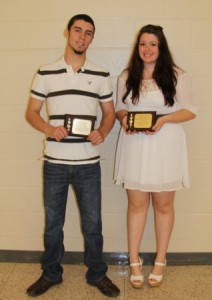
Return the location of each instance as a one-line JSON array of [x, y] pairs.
[[158, 162]]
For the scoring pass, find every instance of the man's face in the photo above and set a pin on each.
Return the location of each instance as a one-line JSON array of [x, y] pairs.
[[80, 36]]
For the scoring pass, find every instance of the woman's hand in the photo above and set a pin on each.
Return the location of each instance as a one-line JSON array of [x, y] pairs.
[[158, 125], [125, 126]]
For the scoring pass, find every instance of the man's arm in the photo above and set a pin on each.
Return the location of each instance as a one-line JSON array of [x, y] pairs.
[[98, 136], [34, 118]]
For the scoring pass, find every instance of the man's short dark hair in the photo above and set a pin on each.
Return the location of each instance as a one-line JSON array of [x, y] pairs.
[[83, 17]]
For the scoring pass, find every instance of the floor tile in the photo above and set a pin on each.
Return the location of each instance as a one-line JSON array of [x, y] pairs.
[[5, 271], [180, 283]]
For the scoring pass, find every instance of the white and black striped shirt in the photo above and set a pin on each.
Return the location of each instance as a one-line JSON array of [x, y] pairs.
[[68, 92]]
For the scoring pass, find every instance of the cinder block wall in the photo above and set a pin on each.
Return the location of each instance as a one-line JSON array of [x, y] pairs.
[[31, 34]]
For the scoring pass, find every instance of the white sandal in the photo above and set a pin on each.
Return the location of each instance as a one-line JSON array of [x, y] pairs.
[[137, 281], [156, 280]]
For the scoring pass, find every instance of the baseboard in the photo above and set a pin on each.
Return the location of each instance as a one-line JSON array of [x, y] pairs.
[[111, 258]]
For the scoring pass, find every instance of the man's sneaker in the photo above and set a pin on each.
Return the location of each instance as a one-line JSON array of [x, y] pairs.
[[106, 286], [41, 286]]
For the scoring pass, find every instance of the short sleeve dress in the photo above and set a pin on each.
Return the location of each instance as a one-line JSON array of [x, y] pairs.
[[158, 162]]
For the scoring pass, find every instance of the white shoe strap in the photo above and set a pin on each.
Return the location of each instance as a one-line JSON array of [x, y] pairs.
[[140, 263], [135, 264], [160, 264], [137, 278], [158, 278]]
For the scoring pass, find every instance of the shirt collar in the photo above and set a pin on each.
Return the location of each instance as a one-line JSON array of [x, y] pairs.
[[68, 67]]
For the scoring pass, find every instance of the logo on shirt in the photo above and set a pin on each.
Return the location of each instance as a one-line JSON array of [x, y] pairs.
[[89, 82]]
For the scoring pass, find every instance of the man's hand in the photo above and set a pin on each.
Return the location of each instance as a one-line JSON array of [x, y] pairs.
[[57, 133], [96, 137]]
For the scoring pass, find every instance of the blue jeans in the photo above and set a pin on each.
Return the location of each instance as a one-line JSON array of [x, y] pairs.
[[86, 182]]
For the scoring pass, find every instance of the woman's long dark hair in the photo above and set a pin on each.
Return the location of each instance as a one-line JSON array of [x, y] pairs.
[[164, 73]]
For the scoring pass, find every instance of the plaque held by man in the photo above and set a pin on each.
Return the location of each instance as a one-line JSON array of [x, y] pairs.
[[79, 125]]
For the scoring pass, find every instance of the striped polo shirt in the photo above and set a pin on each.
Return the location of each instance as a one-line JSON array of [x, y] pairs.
[[76, 93]]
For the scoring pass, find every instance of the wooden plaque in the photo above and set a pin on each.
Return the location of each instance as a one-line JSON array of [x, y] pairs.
[[141, 120], [79, 125]]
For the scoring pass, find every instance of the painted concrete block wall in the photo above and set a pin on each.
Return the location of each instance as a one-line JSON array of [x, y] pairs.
[[31, 34]]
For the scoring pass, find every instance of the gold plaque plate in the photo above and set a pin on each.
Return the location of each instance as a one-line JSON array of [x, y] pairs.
[[79, 125], [141, 120]]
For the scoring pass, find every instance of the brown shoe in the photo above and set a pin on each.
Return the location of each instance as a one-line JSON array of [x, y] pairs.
[[107, 287], [41, 286]]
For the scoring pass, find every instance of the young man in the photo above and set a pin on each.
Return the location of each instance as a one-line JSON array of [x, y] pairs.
[[72, 88]]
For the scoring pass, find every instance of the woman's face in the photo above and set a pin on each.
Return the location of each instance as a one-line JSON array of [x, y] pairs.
[[148, 48]]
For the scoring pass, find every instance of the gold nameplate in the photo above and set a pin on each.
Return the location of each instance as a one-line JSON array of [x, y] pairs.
[[141, 120], [79, 125]]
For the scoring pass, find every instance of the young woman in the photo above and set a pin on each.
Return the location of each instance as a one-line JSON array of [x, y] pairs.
[[152, 164]]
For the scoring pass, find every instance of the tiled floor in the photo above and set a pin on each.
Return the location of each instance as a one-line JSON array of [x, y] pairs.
[[180, 283]]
